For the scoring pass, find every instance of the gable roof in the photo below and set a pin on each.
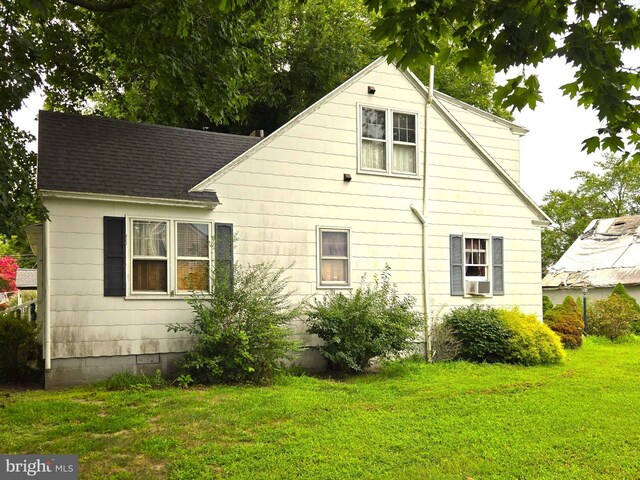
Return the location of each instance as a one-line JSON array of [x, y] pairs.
[[438, 101], [89, 154], [605, 254]]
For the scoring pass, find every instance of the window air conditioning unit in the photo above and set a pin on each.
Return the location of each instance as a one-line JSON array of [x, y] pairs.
[[480, 288]]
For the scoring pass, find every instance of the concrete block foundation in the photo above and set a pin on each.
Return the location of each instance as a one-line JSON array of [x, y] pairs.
[[66, 372]]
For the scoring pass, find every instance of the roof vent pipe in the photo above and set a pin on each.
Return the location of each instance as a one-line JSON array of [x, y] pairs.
[[430, 94]]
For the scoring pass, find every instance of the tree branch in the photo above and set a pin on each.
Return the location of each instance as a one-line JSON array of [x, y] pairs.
[[102, 6]]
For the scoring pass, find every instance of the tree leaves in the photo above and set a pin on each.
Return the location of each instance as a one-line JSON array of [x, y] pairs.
[[512, 33]]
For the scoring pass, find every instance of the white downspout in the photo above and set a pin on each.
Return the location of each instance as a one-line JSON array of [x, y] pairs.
[[425, 230], [46, 282]]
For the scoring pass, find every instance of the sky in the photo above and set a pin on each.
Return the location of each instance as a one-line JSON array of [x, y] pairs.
[[550, 152]]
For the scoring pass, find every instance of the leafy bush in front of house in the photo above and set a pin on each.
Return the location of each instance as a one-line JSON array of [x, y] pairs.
[[530, 341], [633, 303], [612, 317], [242, 334], [20, 352], [566, 320], [547, 304], [374, 321], [482, 334]]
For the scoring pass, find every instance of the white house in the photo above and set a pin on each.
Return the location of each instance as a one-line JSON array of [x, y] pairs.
[[605, 254], [377, 172]]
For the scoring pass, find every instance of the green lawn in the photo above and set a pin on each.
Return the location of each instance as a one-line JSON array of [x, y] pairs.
[[579, 420]]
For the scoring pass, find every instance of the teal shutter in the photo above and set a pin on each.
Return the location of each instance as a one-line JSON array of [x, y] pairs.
[[456, 258], [223, 238], [497, 262]]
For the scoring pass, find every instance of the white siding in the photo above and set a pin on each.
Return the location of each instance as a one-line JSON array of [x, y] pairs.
[[497, 139], [278, 197], [84, 322], [466, 197]]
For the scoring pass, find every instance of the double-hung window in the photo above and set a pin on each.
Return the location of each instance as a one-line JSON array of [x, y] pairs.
[[476, 265], [162, 258], [149, 256], [169, 257], [476, 259], [193, 258], [388, 142], [333, 257]]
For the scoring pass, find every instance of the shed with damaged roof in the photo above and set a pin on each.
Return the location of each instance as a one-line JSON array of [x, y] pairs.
[[605, 254]]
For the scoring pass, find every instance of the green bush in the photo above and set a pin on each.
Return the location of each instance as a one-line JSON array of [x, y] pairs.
[[566, 320], [530, 342], [20, 352], [482, 334], [622, 292], [374, 321], [612, 317], [242, 333], [547, 304]]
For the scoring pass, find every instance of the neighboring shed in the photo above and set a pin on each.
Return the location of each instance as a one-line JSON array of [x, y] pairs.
[[607, 253], [26, 279]]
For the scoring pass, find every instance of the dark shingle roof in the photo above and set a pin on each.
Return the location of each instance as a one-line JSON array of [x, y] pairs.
[[99, 155]]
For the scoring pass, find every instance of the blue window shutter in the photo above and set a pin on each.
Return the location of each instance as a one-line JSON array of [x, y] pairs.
[[223, 238], [456, 256], [114, 257], [497, 261]]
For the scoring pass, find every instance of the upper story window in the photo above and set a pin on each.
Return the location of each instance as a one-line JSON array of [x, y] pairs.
[[388, 142]]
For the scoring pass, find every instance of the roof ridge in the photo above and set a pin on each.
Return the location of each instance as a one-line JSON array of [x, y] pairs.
[[145, 124]]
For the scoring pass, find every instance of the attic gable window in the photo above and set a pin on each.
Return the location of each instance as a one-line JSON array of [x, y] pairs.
[[388, 142]]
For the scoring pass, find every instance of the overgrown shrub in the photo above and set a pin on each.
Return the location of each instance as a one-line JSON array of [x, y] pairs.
[[374, 321], [242, 333], [482, 334], [487, 334], [635, 323], [20, 352], [445, 346], [530, 342], [612, 317], [547, 304], [566, 320]]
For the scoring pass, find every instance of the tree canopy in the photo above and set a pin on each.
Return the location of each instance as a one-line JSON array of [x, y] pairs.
[[228, 65], [590, 35], [612, 192]]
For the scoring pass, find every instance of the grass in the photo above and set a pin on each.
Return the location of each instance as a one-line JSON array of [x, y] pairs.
[[458, 421]]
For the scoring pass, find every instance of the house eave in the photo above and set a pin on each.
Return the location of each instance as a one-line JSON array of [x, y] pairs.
[[103, 197], [542, 217], [206, 184]]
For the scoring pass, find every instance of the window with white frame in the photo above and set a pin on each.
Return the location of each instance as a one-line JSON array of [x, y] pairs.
[[334, 257], [377, 126], [476, 261], [476, 265], [149, 256], [169, 256], [193, 257]]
